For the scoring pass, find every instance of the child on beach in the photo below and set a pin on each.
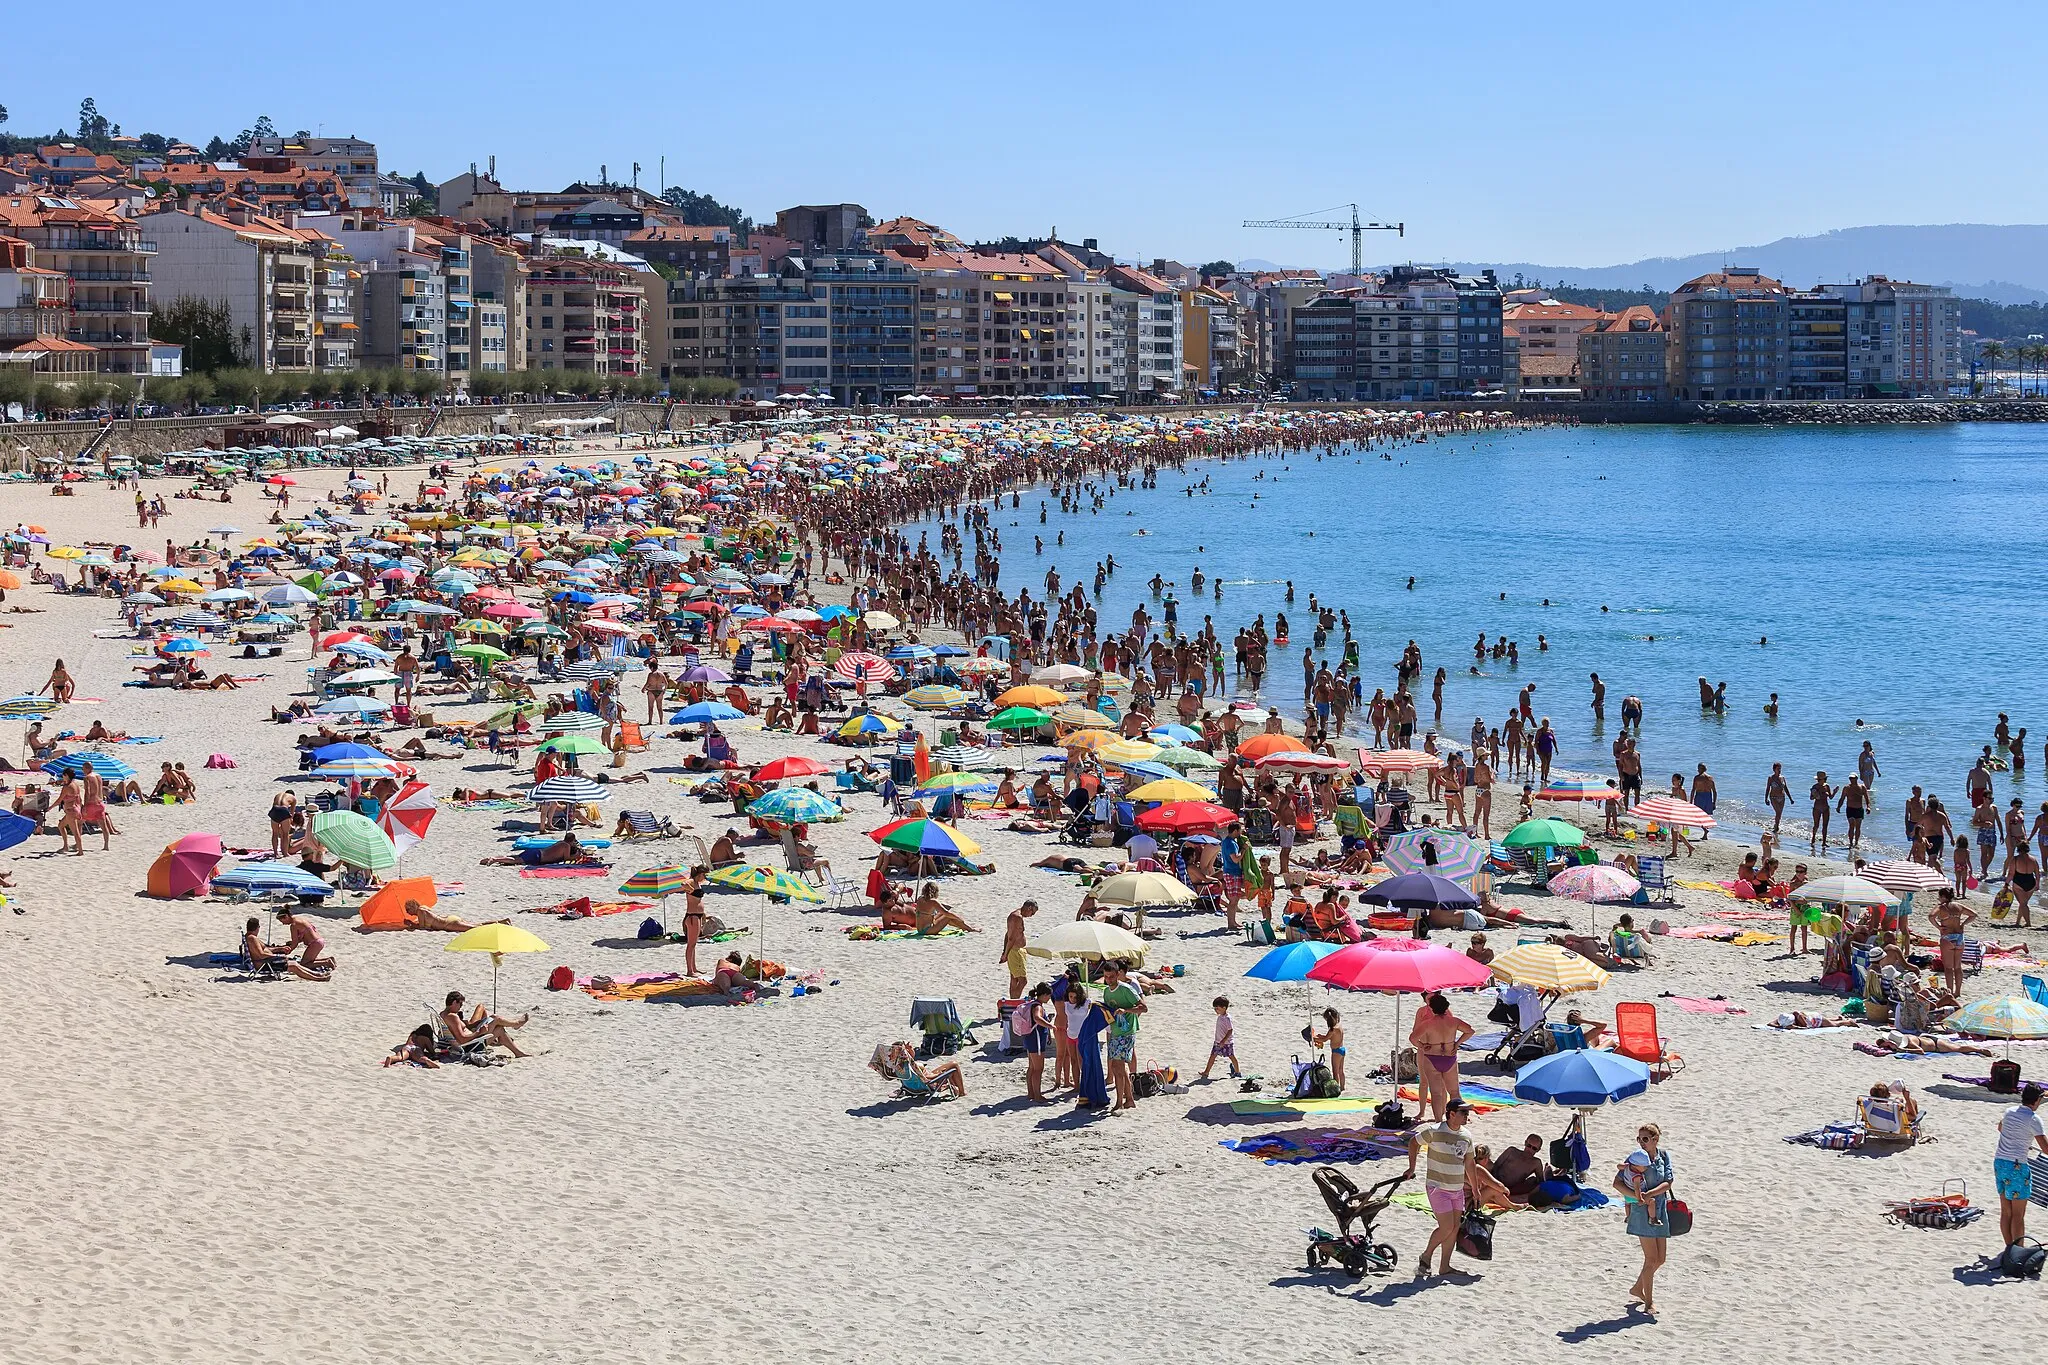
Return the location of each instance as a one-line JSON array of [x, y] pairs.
[[1225, 1044], [1265, 887]]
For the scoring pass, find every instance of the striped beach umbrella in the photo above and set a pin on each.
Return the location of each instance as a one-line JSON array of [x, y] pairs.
[[1578, 789], [570, 723], [1188, 760], [2008, 1016], [1128, 751], [669, 880], [354, 839], [1302, 763], [357, 769], [942, 784], [937, 697], [1456, 855], [262, 877], [571, 790], [1394, 760], [1548, 967], [1898, 875], [797, 805], [1669, 810], [925, 837], [104, 765], [764, 881], [23, 707], [862, 666], [966, 757]]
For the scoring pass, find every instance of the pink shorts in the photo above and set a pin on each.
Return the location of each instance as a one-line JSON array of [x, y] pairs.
[[1446, 1201]]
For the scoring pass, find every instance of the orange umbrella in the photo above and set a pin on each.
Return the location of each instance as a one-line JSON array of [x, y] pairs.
[[1031, 695], [1258, 746], [9, 580], [387, 907]]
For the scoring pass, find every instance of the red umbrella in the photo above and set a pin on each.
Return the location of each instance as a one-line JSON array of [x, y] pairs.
[[510, 611], [281, 481], [1380, 965], [185, 867], [770, 624], [1185, 817], [341, 637], [407, 814], [862, 666], [794, 766]]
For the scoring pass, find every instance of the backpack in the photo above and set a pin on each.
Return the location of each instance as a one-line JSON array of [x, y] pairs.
[[650, 928], [2023, 1260], [1314, 1082], [561, 979], [1020, 1020]]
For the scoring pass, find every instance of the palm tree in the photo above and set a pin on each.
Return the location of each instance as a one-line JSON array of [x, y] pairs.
[[1991, 353]]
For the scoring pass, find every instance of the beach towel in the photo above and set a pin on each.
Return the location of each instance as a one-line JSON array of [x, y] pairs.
[[1718, 888], [1694, 1005], [1344, 1104], [491, 803], [607, 979], [1836, 1137], [653, 990], [582, 907], [1483, 1098], [1321, 1146], [561, 870], [1763, 916], [1588, 1198], [863, 933], [1750, 938], [141, 739], [1723, 932]]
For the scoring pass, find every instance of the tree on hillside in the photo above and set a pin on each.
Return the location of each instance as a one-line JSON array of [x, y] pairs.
[[1219, 268], [701, 210], [93, 126]]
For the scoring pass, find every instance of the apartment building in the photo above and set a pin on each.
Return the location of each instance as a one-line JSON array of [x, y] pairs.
[[1095, 362], [989, 322], [1816, 345], [107, 259], [403, 311], [1548, 326], [1482, 333], [584, 313], [289, 303], [1623, 359], [498, 287], [1732, 332], [35, 313], [1902, 339], [843, 322], [1408, 335], [349, 160], [686, 250], [1149, 308], [477, 196], [1209, 336], [1272, 322], [1324, 348], [823, 227]]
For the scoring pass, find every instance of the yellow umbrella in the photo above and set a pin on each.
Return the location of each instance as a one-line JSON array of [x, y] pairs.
[[1548, 967], [1084, 718], [67, 552], [1089, 740], [180, 585], [497, 940], [1171, 789], [1127, 751]]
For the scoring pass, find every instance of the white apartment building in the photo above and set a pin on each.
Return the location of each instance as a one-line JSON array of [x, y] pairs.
[[267, 273], [1150, 310], [1904, 340]]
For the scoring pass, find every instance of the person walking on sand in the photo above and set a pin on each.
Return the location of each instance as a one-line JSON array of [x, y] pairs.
[[94, 811], [655, 687], [1853, 800], [1776, 793], [1224, 1046], [60, 685], [2019, 1131], [1012, 955], [1644, 1182], [1436, 1036], [1950, 918], [1445, 1174]]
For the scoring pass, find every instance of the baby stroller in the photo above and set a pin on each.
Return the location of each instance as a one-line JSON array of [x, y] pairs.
[[1081, 824], [1356, 1252]]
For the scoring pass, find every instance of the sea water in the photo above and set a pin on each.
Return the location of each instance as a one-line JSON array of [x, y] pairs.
[[1880, 580]]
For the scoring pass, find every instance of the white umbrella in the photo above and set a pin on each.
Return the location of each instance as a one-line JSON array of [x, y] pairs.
[[1845, 891]]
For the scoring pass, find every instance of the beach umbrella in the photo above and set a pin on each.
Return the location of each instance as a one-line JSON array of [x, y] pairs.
[[658, 882], [1290, 961], [705, 713], [1122, 751], [1583, 1078], [1135, 889], [869, 723], [1844, 891], [263, 877], [2008, 1017], [1088, 938], [363, 649], [497, 940], [1088, 741], [1419, 890], [1669, 810], [864, 667], [25, 707], [1898, 875], [407, 815], [1578, 789], [1258, 746], [1433, 848], [1302, 763], [571, 722], [185, 866], [112, 769], [925, 837], [704, 673], [1170, 789], [1548, 967], [570, 789], [765, 881], [948, 784], [1397, 761], [796, 765], [1593, 883], [1172, 734], [963, 756], [937, 697], [796, 805], [364, 677], [1184, 817], [141, 599], [1413, 967], [354, 839], [362, 708], [182, 645], [1032, 696], [1061, 675], [1545, 834], [575, 742], [1082, 717], [357, 769], [1019, 718], [1188, 760], [478, 650], [15, 829]]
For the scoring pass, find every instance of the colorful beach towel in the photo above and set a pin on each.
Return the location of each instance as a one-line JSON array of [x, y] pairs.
[[1344, 1104], [560, 870], [1482, 1098], [1321, 1146], [1723, 932], [490, 803], [863, 933], [1694, 1005]]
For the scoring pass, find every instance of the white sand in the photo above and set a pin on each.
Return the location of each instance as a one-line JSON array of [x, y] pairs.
[[210, 1170]]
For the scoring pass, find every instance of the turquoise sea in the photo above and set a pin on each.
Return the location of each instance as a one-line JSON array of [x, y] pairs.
[[1892, 571]]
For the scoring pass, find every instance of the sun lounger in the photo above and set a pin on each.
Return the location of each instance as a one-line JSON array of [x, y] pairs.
[[1635, 1035]]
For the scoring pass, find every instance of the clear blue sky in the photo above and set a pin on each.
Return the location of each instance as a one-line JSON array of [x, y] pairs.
[[1581, 134]]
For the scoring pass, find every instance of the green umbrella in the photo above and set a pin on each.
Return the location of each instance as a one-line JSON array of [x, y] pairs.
[[355, 840], [1019, 718], [477, 650], [1187, 759], [1545, 834], [573, 744]]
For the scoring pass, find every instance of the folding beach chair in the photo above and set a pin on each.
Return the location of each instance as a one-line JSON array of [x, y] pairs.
[[629, 730], [1635, 1035], [641, 823], [1885, 1121], [1656, 886], [1973, 955], [843, 894], [2037, 990]]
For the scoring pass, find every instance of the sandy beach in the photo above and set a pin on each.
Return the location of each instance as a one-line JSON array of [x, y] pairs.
[[206, 1168]]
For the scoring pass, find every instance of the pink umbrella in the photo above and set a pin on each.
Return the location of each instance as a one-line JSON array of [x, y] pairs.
[[510, 611], [1302, 763], [1669, 810], [186, 865], [1399, 966]]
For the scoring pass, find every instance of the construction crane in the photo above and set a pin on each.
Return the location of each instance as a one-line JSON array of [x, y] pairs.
[[1356, 228]]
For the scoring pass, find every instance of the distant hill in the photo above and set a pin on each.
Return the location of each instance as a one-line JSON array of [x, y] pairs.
[[2005, 264]]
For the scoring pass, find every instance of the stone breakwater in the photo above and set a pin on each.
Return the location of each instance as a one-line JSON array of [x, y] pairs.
[[1852, 414]]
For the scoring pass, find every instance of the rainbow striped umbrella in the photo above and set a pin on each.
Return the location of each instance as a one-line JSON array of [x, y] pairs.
[[1578, 789], [1457, 856], [926, 838], [657, 882]]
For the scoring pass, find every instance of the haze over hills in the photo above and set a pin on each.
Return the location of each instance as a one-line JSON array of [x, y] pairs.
[[2002, 263]]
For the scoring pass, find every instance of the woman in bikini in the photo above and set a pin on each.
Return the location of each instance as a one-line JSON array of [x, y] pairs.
[[1951, 918], [1436, 1036], [693, 916]]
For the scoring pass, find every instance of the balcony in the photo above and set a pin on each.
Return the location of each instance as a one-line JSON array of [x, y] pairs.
[[113, 276]]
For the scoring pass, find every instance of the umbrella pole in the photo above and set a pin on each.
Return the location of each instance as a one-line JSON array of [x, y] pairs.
[[1394, 1060], [496, 960]]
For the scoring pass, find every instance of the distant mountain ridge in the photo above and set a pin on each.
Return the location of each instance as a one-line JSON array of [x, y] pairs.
[[2002, 263]]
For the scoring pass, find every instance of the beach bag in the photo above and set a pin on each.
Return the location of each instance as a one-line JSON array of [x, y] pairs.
[[1313, 1081], [1258, 933], [1390, 1115], [220, 761], [1678, 1214], [561, 979], [1503, 1013], [1475, 1235], [650, 928], [2005, 1077], [2023, 1260]]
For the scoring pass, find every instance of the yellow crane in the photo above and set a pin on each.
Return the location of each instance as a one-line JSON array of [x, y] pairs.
[[1315, 220]]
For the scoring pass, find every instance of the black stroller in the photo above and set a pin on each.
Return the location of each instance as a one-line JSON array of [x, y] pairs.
[[1081, 823], [1355, 1252]]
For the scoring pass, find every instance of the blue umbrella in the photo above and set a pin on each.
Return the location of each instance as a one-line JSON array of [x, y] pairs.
[[1581, 1078], [1179, 733], [332, 752], [113, 769], [1412, 889], [14, 828], [262, 877], [1291, 961], [705, 713]]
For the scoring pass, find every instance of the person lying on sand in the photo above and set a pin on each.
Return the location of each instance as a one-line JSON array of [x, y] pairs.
[[483, 794], [478, 1023], [416, 1050], [1920, 1042], [1800, 1019], [564, 850], [99, 732], [417, 748]]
